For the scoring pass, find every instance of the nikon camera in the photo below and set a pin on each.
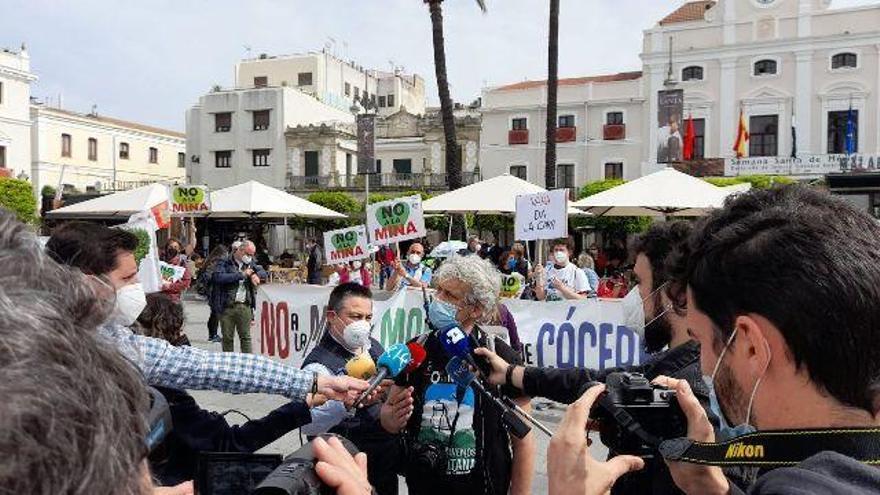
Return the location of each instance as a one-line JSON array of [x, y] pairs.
[[636, 416]]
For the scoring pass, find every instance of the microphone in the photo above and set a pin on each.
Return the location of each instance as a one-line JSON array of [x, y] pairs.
[[418, 355], [391, 363], [458, 372], [457, 343], [361, 366]]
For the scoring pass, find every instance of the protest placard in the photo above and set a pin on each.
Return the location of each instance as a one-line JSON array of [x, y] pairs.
[[170, 273], [344, 245], [188, 200], [396, 220], [542, 215]]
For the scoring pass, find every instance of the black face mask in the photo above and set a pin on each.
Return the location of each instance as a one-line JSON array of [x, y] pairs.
[[171, 253]]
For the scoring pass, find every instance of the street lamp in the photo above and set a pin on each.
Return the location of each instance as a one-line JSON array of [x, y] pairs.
[[365, 113]]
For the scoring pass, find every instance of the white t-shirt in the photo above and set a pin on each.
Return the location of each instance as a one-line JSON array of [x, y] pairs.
[[570, 275]]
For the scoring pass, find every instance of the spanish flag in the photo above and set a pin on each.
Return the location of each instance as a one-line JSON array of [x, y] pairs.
[[740, 147]]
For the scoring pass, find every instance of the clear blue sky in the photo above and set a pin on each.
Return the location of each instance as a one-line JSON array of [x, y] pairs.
[[149, 60]]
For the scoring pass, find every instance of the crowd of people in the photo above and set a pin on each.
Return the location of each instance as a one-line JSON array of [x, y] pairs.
[[762, 316]]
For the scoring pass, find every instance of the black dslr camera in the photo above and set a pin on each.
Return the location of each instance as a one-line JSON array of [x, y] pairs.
[[636, 415]]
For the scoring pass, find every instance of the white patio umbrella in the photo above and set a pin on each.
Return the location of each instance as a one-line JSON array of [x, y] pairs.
[[495, 196], [253, 199], [117, 205], [447, 249], [664, 193]]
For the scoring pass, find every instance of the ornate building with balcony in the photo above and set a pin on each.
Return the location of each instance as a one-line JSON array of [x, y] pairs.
[[410, 154]]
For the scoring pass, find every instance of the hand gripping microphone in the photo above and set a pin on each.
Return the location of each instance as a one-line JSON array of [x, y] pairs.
[[391, 363], [361, 366], [458, 372]]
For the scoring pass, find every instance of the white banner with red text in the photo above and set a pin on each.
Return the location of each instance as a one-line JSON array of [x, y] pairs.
[[587, 333]]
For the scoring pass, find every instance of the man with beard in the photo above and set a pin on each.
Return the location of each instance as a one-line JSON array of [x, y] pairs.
[[658, 315]]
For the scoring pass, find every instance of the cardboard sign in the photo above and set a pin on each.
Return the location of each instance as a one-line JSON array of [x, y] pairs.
[[396, 220], [170, 273], [187, 200], [542, 215], [344, 245]]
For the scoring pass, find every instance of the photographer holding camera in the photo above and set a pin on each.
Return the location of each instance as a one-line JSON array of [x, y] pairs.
[[803, 356]]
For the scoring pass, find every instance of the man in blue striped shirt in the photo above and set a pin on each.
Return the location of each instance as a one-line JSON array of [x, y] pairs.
[[108, 254]]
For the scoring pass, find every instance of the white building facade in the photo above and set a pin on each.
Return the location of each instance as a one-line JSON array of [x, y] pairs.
[[90, 152], [334, 81], [15, 123], [778, 61]]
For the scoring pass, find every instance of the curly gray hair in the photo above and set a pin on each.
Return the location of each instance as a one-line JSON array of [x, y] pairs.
[[480, 275]]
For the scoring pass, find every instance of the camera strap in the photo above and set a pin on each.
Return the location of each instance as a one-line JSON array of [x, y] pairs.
[[777, 448]]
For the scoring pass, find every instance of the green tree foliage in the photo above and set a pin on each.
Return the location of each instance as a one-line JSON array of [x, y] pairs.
[[757, 181], [17, 196], [611, 225]]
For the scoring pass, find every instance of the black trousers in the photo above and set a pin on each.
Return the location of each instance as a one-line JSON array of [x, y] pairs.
[[213, 324]]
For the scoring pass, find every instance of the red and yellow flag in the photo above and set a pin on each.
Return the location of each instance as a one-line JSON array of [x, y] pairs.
[[740, 147]]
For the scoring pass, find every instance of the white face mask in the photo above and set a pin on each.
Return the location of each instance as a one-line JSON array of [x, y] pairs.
[[356, 335], [356, 265], [246, 259], [130, 301], [414, 259], [561, 257], [477, 248], [634, 310]]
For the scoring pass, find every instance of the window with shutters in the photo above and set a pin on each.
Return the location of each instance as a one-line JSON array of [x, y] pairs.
[[565, 176], [223, 159], [261, 157], [613, 170], [765, 67], [391, 100], [66, 146], [692, 73], [844, 60], [381, 102], [222, 122], [566, 121], [699, 138], [519, 124], [763, 135], [614, 118], [93, 149], [181, 160], [154, 155], [123, 151], [347, 89], [261, 120]]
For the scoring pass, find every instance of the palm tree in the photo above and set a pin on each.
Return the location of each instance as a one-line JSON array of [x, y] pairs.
[[552, 87], [453, 154]]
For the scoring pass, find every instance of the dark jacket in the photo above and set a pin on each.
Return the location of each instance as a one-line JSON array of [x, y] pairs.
[[825, 472], [225, 280], [197, 430], [363, 428], [313, 265], [682, 362]]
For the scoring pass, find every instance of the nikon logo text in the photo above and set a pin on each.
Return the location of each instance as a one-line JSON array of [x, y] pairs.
[[742, 451]]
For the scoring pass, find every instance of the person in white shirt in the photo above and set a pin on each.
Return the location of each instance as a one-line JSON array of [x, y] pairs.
[[562, 279]]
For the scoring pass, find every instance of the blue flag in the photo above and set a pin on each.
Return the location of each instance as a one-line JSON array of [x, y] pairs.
[[850, 144]]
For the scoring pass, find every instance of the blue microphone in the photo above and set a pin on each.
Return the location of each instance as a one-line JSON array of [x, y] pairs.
[[390, 364], [457, 343]]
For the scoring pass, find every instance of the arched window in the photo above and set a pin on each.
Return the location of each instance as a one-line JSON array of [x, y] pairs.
[[842, 60], [765, 67], [692, 73]]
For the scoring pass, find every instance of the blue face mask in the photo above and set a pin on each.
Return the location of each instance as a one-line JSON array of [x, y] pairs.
[[441, 314], [511, 264], [725, 430]]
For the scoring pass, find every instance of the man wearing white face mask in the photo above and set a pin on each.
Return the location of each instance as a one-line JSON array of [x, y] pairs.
[[347, 336], [235, 280], [412, 272], [108, 257], [562, 279]]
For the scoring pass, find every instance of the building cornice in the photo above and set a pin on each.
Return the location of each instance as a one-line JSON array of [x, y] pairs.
[[47, 117], [18, 74]]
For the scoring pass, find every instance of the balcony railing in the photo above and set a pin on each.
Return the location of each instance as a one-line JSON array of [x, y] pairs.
[[614, 132], [518, 136], [388, 181], [566, 134]]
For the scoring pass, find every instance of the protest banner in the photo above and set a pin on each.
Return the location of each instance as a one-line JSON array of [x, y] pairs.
[[170, 273], [344, 245], [587, 333], [144, 225], [396, 220], [188, 200], [542, 215]]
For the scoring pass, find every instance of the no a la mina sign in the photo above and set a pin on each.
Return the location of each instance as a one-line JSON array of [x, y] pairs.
[[190, 199], [344, 245], [396, 220]]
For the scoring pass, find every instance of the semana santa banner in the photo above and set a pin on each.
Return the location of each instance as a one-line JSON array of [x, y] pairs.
[[396, 220], [186, 200], [344, 245], [564, 334]]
